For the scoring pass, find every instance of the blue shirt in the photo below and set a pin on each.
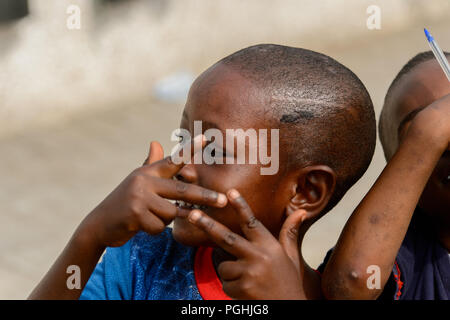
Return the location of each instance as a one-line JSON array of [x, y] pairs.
[[423, 264], [145, 268]]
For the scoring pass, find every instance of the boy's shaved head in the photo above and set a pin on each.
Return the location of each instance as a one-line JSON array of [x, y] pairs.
[[324, 111], [326, 126], [387, 126]]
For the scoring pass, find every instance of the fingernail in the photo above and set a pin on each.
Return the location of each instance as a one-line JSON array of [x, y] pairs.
[[233, 194], [194, 215], [221, 199]]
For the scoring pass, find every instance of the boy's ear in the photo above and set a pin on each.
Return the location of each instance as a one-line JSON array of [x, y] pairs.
[[312, 190]]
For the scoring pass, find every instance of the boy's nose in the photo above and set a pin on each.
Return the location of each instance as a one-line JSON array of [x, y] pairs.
[[187, 174]]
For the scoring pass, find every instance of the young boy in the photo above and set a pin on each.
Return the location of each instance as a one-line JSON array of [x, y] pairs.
[[400, 232], [228, 247]]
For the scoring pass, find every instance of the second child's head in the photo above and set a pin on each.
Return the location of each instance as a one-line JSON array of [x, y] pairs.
[[326, 127], [418, 84]]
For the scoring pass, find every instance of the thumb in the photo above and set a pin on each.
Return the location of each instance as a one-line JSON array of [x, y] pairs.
[[289, 236], [155, 153]]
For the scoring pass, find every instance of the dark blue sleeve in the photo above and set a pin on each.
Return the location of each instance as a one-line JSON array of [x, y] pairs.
[[112, 278], [322, 266]]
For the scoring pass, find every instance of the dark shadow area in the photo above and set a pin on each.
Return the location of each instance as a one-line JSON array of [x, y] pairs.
[[11, 10]]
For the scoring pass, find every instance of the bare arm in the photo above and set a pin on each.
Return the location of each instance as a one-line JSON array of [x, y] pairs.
[[81, 251], [376, 229]]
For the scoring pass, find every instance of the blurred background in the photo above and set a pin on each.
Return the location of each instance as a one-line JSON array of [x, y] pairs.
[[80, 99]]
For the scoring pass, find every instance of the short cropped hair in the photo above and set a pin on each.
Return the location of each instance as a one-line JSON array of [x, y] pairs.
[[325, 107], [385, 132]]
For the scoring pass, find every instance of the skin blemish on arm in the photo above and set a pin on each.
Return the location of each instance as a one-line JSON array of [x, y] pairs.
[[374, 219]]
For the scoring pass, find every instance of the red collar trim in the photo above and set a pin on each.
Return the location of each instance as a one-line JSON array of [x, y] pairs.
[[208, 283], [397, 278]]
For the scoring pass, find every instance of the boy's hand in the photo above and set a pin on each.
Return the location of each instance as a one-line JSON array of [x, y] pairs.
[[433, 124], [265, 268], [140, 201]]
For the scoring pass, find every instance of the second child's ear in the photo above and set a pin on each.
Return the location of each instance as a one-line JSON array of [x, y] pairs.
[[312, 190]]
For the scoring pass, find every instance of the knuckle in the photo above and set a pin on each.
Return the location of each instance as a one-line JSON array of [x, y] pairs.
[[252, 222], [246, 285], [135, 210], [253, 273], [209, 225], [292, 233], [230, 239], [264, 258], [181, 187], [137, 177], [135, 195]]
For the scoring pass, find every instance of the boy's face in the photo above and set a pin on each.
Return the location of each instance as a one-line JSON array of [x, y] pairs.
[[221, 98], [418, 89]]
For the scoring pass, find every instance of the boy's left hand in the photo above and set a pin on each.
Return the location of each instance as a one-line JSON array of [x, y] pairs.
[[265, 268]]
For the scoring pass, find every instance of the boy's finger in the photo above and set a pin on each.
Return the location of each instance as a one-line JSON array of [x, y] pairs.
[[233, 288], [151, 223], [289, 235], [221, 235], [179, 190], [167, 211], [251, 227], [163, 209], [156, 152], [170, 165], [230, 270]]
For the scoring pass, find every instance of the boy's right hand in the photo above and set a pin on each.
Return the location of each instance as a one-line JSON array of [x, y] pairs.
[[140, 201], [432, 124]]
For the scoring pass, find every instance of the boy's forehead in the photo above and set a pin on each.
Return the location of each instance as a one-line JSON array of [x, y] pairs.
[[222, 95], [422, 86]]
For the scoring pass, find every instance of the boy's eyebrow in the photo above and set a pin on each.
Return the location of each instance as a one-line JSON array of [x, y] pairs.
[[408, 118]]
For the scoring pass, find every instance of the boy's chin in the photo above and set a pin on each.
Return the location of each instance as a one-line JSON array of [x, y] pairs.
[[189, 235]]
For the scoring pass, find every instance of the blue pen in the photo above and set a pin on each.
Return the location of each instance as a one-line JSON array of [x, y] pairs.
[[441, 58]]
